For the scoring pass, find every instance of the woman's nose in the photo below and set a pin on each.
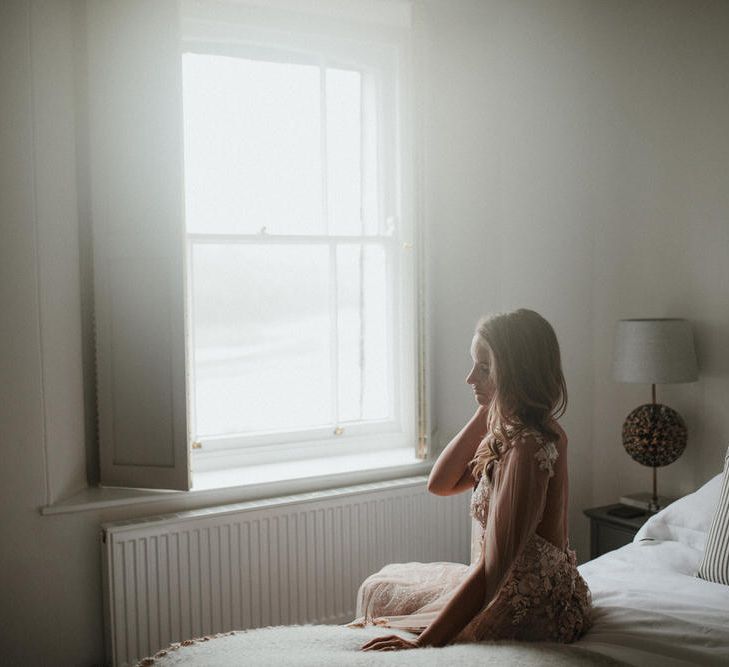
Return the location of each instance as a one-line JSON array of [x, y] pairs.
[[469, 377]]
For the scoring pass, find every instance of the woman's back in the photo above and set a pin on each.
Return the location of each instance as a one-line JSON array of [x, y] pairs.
[[553, 526], [529, 479]]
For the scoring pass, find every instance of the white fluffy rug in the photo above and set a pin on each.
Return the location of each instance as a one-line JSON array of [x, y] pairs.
[[317, 645]]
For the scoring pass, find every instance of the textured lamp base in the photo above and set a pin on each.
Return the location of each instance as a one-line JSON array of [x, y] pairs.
[[644, 501]]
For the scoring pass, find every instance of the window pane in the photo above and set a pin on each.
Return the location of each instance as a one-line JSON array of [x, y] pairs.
[[371, 162], [344, 135], [365, 389], [261, 338], [252, 134]]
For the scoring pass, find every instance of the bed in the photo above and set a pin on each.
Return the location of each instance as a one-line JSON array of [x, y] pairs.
[[649, 609]]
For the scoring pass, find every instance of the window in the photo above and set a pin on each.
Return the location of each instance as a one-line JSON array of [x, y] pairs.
[[251, 202], [300, 276]]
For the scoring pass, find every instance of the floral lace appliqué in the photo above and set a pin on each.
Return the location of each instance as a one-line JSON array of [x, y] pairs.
[[544, 599], [547, 452], [546, 455], [480, 500], [545, 587]]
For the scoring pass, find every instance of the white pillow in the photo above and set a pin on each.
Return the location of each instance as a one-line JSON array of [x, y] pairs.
[[687, 520]]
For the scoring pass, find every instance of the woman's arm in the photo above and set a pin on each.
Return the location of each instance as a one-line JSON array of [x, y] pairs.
[[517, 505], [450, 474], [460, 609]]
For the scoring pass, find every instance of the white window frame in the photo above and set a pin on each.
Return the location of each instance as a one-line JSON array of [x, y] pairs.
[[389, 57]]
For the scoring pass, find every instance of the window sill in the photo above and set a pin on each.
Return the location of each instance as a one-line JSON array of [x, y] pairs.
[[256, 482]]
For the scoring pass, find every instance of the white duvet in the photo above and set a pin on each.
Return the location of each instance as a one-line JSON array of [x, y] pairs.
[[650, 610]]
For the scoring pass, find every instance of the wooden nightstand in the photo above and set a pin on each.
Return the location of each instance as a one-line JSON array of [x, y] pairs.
[[608, 532]]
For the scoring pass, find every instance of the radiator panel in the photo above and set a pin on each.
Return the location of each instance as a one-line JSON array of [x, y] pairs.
[[289, 560]]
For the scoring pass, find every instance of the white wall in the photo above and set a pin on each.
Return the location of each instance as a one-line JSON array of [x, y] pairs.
[[576, 163], [577, 156], [519, 162], [666, 251], [41, 407]]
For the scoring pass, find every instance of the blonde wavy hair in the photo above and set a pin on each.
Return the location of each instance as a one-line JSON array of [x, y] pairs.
[[526, 370]]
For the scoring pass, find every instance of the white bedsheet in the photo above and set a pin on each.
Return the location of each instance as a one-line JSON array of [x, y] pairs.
[[651, 610]]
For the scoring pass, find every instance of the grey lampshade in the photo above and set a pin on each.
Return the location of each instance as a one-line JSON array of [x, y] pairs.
[[654, 351]]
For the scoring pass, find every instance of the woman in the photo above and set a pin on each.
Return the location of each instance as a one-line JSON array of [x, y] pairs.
[[524, 585]]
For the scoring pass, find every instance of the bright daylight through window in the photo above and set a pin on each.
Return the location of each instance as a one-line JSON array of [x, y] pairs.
[[299, 287]]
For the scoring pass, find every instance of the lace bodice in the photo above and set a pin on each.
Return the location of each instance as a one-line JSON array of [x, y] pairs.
[[479, 501], [545, 453]]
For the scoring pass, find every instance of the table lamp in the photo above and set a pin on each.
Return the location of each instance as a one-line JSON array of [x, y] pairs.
[[654, 351]]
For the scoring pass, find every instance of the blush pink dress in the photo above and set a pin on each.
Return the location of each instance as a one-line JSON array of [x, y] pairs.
[[521, 508]]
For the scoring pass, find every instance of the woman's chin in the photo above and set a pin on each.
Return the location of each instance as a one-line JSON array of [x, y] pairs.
[[483, 400]]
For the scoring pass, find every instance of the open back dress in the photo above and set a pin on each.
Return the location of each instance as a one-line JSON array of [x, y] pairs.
[[520, 506]]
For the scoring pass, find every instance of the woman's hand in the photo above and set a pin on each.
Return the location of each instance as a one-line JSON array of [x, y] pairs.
[[450, 474], [389, 643]]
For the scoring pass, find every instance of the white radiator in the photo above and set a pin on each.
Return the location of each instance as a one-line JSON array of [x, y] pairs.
[[294, 559]]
